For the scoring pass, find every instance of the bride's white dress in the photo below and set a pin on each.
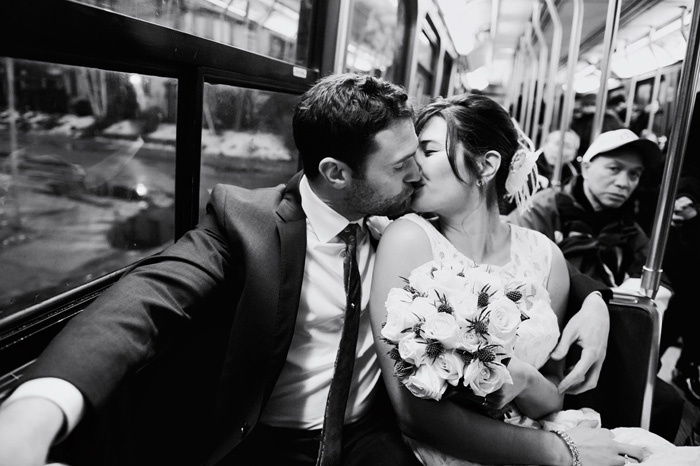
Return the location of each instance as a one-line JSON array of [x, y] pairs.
[[530, 262]]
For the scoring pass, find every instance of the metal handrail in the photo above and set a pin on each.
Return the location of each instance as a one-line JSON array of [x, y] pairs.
[[532, 81], [630, 101], [513, 82], [553, 66], [611, 25], [567, 112], [516, 80], [538, 136], [651, 275], [525, 81], [655, 87]]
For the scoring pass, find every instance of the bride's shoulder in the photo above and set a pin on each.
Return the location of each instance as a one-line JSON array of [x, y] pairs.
[[529, 235], [414, 218], [407, 231]]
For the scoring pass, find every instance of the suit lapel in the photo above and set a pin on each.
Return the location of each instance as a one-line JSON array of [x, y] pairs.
[[291, 227]]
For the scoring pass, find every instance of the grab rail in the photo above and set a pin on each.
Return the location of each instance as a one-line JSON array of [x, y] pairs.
[[651, 275], [611, 25], [567, 112]]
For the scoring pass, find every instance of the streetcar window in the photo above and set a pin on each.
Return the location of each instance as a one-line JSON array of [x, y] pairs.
[[246, 138], [446, 75], [87, 166], [377, 38], [428, 47], [275, 28]]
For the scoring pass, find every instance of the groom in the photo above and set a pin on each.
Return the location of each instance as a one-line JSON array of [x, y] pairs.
[[276, 257]]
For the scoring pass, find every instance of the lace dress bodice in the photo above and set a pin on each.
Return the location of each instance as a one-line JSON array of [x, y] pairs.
[[530, 262]]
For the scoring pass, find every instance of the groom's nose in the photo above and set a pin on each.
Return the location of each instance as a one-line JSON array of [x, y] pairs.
[[414, 173]]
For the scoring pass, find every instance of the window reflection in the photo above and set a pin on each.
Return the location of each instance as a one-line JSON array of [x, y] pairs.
[[246, 138], [377, 38], [87, 165], [275, 28]]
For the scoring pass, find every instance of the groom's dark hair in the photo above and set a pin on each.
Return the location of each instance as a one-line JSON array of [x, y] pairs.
[[340, 115]]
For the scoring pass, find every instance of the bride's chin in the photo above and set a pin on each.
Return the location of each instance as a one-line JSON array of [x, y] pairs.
[[418, 208]]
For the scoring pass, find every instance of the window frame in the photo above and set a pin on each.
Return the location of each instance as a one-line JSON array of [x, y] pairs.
[[56, 32]]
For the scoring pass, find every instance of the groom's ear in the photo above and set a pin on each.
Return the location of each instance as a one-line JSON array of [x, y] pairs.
[[490, 164], [336, 173]]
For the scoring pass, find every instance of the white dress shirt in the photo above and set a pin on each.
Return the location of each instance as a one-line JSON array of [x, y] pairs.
[[299, 398]]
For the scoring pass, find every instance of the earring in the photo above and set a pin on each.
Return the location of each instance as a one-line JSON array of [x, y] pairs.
[[480, 183]]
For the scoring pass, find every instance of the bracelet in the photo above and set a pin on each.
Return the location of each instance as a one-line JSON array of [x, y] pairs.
[[572, 447]]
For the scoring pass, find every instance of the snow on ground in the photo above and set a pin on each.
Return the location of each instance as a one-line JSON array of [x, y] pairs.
[[227, 143]]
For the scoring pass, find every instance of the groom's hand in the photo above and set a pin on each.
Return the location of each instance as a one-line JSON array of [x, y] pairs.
[[589, 329]]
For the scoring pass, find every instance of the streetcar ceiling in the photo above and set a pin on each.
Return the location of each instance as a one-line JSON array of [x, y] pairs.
[[488, 33]]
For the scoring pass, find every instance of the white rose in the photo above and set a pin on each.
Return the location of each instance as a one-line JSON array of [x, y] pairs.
[[421, 278], [399, 315], [449, 282], [504, 319], [486, 378], [465, 307], [470, 340], [398, 298], [426, 383], [412, 350], [480, 278], [376, 225], [450, 367], [423, 307], [443, 328]]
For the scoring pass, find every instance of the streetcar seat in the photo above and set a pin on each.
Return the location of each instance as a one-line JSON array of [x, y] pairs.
[[623, 396]]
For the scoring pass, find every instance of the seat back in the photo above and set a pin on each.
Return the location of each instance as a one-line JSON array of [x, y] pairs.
[[623, 396]]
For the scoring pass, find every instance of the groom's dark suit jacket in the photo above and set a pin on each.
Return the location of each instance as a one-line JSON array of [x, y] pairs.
[[235, 281]]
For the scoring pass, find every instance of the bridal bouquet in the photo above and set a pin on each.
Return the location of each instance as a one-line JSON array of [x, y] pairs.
[[453, 329]]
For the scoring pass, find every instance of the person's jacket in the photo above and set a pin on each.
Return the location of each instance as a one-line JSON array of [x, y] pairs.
[[237, 276], [607, 245]]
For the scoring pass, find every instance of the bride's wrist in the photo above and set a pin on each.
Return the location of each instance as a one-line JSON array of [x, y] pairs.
[[573, 458], [557, 453]]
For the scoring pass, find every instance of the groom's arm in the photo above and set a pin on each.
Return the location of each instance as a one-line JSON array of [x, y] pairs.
[[587, 327], [581, 286]]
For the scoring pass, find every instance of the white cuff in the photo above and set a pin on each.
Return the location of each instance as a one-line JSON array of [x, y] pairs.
[[64, 394]]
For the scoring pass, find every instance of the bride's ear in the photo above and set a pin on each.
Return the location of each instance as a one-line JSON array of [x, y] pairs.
[[490, 164]]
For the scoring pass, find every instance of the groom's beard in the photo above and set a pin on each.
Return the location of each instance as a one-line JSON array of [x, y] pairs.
[[367, 200]]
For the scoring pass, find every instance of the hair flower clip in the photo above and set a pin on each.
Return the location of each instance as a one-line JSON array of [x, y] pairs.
[[523, 181]]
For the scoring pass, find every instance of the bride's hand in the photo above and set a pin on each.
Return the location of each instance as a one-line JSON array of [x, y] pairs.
[[597, 447], [521, 373]]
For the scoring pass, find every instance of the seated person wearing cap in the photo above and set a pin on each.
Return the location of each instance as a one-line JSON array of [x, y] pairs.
[[592, 221], [592, 217]]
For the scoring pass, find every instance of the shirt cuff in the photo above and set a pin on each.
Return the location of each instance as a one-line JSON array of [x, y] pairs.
[[64, 394]]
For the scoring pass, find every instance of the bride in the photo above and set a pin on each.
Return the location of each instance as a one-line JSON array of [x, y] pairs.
[[466, 146]]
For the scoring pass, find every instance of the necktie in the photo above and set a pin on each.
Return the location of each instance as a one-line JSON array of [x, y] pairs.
[[331, 435]]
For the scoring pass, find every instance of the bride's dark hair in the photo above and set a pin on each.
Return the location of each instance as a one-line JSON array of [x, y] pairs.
[[480, 124]]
